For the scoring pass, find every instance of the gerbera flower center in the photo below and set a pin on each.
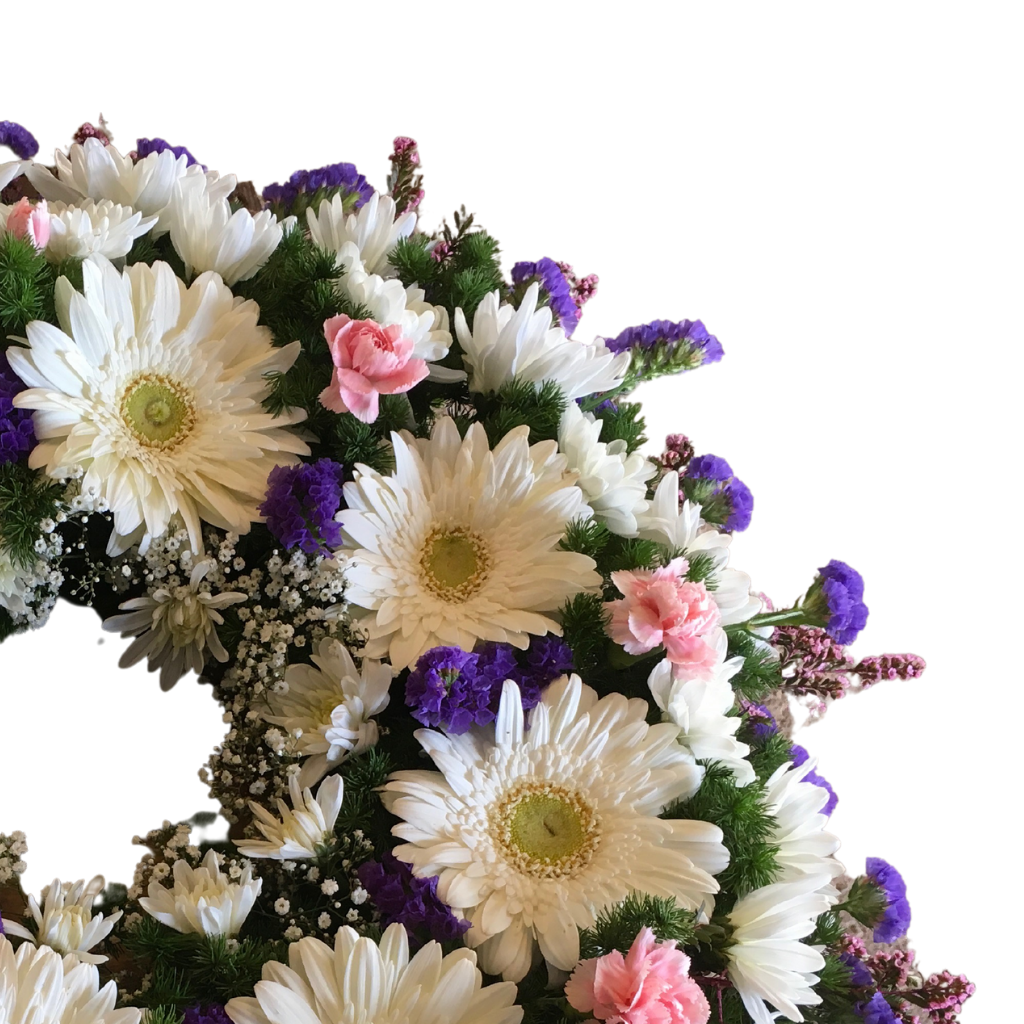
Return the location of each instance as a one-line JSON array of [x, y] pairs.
[[158, 410], [545, 830], [455, 563]]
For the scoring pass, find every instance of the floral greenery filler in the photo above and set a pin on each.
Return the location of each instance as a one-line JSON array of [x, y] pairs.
[[508, 737]]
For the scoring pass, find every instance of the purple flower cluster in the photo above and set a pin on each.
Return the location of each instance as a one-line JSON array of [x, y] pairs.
[[17, 437], [400, 896], [210, 1013], [452, 689], [354, 188], [559, 291], [143, 148], [896, 921], [724, 498], [760, 720], [301, 503], [665, 333], [799, 756], [843, 591], [18, 139], [874, 669], [876, 1010], [582, 289]]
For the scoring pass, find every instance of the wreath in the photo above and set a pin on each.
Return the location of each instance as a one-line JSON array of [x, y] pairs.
[[508, 735]]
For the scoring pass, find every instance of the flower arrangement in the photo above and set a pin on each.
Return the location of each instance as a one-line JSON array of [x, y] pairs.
[[508, 736]]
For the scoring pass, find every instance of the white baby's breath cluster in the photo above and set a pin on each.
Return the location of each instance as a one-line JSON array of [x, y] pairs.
[[13, 847]]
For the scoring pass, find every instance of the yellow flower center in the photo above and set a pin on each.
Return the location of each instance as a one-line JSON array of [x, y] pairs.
[[455, 563], [544, 829], [158, 410]]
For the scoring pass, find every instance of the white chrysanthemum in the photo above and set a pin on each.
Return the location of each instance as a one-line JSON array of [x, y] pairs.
[[38, 987], [10, 170], [533, 831], [15, 587], [303, 828], [613, 481], [65, 921], [681, 528], [700, 708], [460, 543], [767, 961], [374, 229], [175, 627], [93, 227], [506, 342], [203, 900], [155, 390], [208, 236], [95, 171], [359, 982], [805, 847], [329, 706]]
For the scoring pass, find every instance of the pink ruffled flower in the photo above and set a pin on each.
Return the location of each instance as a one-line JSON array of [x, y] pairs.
[[369, 360], [31, 222], [660, 608], [650, 985]]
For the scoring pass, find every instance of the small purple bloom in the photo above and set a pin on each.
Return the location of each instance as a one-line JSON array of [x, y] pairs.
[[897, 914], [17, 438], [400, 896], [724, 498], [799, 756], [447, 690], [18, 139], [875, 1011], [208, 1013], [301, 504], [842, 589], [143, 148], [559, 291], [700, 345], [859, 973], [761, 721], [341, 177]]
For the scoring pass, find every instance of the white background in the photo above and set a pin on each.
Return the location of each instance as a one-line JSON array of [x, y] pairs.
[[834, 189]]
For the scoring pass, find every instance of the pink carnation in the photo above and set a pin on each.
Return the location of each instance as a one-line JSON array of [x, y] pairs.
[[31, 222], [650, 985], [369, 360], [660, 608]]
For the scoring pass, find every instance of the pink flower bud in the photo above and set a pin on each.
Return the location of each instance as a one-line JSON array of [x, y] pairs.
[[31, 222], [369, 360]]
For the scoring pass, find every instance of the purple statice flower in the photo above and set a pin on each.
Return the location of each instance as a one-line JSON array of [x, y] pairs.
[[400, 896], [859, 974], [301, 504], [554, 282], [896, 921], [875, 1011], [724, 498], [447, 690], [837, 595], [342, 177], [760, 720], [799, 755], [206, 1013], [701, 347], [548, 658], [143, 147], [17, 438], [18, 139]]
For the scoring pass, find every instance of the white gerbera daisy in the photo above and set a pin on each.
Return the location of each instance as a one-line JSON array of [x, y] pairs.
[[94, 227], [203, 900], [208, 236], [175, 627], [700, 708], [533, 831], [329, 707], [683, 530], [374, 229], [360, 982], [767, 961], [460, 543], [613, 481], [93, 170], [506, 342], [65, 921], [805, 847], [303, 829], [38, 987], [155, 390]]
